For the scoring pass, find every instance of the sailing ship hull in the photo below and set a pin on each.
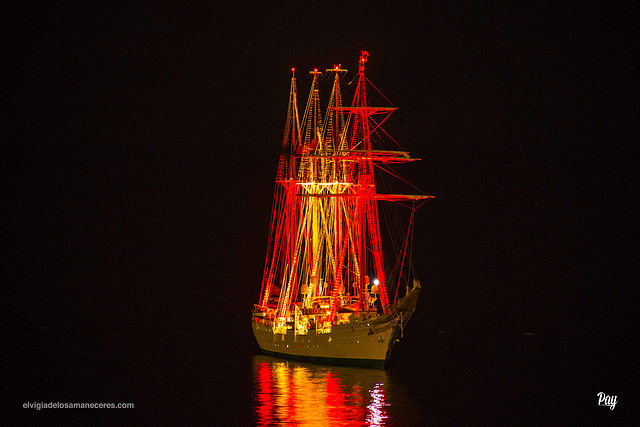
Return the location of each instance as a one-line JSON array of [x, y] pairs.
[[361, 342], [354, 344]]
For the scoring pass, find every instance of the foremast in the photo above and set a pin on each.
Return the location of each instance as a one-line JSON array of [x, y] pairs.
[[325, 229]]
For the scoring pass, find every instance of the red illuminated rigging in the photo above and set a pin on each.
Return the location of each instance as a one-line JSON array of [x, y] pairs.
[[325, 239]]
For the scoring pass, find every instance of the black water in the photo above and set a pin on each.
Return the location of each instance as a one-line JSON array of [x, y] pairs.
[[186, 377], [145, 144]]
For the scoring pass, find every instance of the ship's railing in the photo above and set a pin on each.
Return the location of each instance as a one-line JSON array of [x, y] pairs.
[[303, 315], [314, 306], [321, 305]]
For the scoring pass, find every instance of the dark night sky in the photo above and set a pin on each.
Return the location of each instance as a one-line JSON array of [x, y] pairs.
[[144, 141]]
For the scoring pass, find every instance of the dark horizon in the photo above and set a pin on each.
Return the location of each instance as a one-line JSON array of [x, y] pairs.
[[142, 146], [147, 141]]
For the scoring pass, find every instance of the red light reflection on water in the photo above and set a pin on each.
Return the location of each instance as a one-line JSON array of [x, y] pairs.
[[301, 395], [265, 393]]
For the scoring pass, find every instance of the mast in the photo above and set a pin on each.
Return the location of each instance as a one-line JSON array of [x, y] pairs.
[[286, 169], [325, 238]]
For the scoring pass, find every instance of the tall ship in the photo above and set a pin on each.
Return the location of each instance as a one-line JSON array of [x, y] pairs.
[[330, 293]]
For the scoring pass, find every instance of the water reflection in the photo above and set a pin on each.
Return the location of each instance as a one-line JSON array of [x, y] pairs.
[[295, 393]]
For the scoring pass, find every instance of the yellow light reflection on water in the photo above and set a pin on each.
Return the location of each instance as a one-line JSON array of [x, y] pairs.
[[303, 394]]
